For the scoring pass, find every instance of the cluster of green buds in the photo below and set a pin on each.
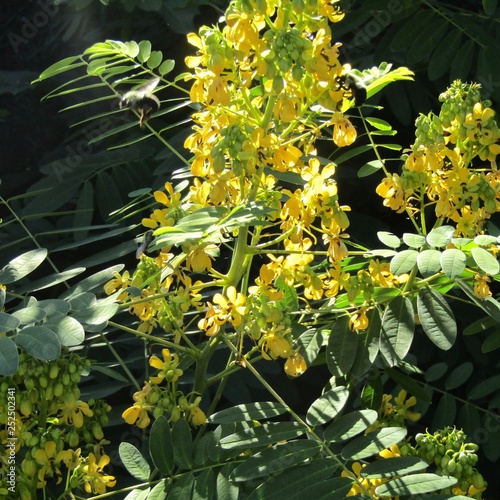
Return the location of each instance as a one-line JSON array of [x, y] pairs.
[[289, 51], [231, 143], [452, 455], [458, 101], [50, 381], [429, 133]]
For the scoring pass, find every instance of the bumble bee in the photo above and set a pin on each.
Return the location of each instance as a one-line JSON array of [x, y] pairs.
[[356, 86], [142, 100], [147, 239]]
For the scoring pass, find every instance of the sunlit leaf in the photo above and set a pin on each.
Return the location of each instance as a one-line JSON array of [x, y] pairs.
[[350, 425], [369, 445], [453, 262], [440, 236], [327, 406], [393, 466], [403, 262], [485, 261], [248, 412], [341, 348], [134, 462], [429, 262], [22, 266], [415, 484]]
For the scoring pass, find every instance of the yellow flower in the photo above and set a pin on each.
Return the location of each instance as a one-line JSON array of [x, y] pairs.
[[273, 345], [49, 460], [95, 480], [295, 365], [139, 411], [481, 287], [344, 133], [168, 367], [401, 407], [72, 412], [359, 320], [196, 416]]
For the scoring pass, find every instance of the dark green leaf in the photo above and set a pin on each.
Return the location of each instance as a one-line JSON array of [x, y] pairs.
[[479, 325], [491, 342], [182, 488], [369, 445], [398, 325], [183, 444], [341, 348], [463, 60], [397, 466], [489, 305], [436, 318], [370, 168], [350, 425], [204, 486], [160, 446], [9, 357], [459, 375], [262, 435], [226, 489], [327, 406], [133, 461], [436, 372], [490, 6], [40, 342], [445, 412], [294, 483], [310, 343], [248, 412], [443, 54], [408, 384], [485, 387], [275, 459], [415, 484], [469, 419]]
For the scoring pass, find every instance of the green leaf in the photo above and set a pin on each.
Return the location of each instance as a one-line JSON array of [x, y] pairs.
[[469, 419], [40, 342], [436, 318], [160, 491], [414, 240], [161, 447], [226, 489], [349, 425], [441, 236], [22, 266], [370, 168], [96, 314], [204, 486], [327, 406], [491, 342], [443, 54], [341, 348], [68, 329], [415, 484], [445, 412], [55, 306], [489, 6], [369, 445], [8, 322], [453, 262], [398, 325], [30, 314], [436, 371], [268, 433], [134, 462], [410, 385], [296, 482], [166, 67], [378, 123], [9, 357], [429, 262], [389, 239], [397, 466], [463, 60], [248, 412], [310, 343], [183, 444], [109, 372], [144, 51], [275, 459], [61, 66], [485, 388], [459, 376], [182, 488], [403, 262], [485, 261], [155, 59]]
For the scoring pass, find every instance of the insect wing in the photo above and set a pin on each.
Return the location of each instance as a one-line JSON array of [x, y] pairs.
[[146, 88]]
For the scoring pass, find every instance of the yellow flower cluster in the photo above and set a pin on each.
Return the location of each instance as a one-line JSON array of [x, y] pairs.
[[452, 165]]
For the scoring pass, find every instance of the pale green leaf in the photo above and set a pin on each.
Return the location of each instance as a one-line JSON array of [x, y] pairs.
[[429, 262], [391, 467], [40, 342], [350, 425], [389, 239], [8, 322], [485, 261], [327, 406], [166, 67], [415, 484], [155, 59], [9, 357], [96, 314], [453, 262], [414, 240], [134, 462], [441, 236], [370, 168], [374, 442], [248, 412], [144, 51], [68, 329], [403, 262], [268, 433], [62, 66], [22, 265]]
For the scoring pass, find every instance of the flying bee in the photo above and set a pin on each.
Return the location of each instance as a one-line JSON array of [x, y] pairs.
[[142, 100], [356, 86]]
